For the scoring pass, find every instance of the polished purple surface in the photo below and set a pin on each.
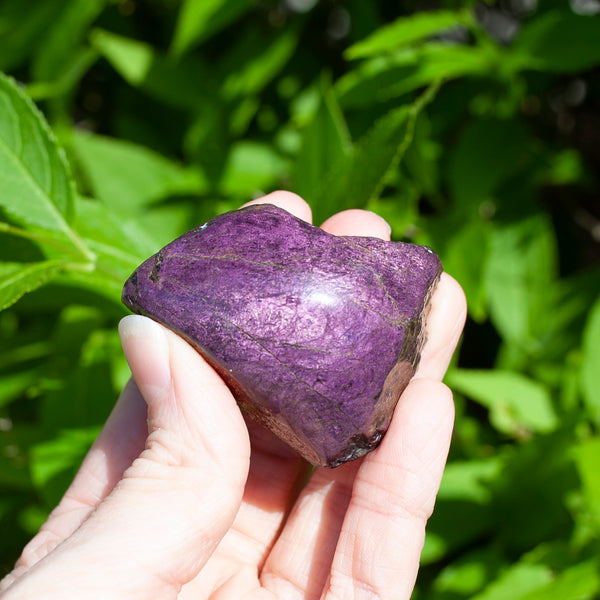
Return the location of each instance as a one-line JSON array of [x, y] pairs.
[[316, 335]]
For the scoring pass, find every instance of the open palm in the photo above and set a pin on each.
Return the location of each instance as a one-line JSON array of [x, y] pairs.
[[181, 498]]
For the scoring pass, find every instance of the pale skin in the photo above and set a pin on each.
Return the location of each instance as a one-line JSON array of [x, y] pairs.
[[181, 498]]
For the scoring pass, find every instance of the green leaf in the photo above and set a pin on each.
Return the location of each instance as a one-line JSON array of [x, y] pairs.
[[587, 459], [119, 243], [325, 144], [529, 497], [59, 47], [468, 267], [12, 385], [32, 517], [16, 279], [517, 404], [66, 78], [112, 234], [22, 29], [252, 168], [401, 211], [14, 476], [516, 581], [37, 187], [486, 154], [519, 280], [381, 79], [566, 167], [183, 84], [422, 161], [133, 59], [590, 366], [579, 582], [463, 511], [359, 177], [53, 463], [127, 177], [468, 574], [200, 18], [405, 31], [470, 480], [80, 365], [557, 41], [256, 61], [165, 222]]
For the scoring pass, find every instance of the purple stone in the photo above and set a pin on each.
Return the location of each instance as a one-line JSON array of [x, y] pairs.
[[316, 335]]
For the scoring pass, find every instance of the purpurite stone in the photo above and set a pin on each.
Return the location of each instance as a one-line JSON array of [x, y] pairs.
[[316, 335]]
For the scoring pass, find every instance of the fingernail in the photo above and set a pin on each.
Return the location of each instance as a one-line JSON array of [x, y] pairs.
[[147, 351], [389, 227]]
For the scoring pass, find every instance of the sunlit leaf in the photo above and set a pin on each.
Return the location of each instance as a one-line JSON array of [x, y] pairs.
[[470, 480], [257, 62], [132, 59], [14, 384], [590, 368], [165, 222], [469, 573], [16, 279], [382, 78], [468, 267], [325, 144], [252, 168], [517, 404], [84, 341], [50, 458], [119, 243], [463, 510], [578, 582], [587, 459], [404, 31], [127, 177], [359, 176], [200, 18], [565, 168], [516, 581], [36, 183], [53, 463], [519, 281]]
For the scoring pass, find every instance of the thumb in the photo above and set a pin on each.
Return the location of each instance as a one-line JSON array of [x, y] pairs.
[[164, 518], [193, 420]]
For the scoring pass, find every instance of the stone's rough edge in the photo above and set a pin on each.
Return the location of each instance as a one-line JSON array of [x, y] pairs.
[[422, 338], [359, 444]]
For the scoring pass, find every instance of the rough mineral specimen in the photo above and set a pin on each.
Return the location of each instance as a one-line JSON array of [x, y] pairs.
[[316, 335]]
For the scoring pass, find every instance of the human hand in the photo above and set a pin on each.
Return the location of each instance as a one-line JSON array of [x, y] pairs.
[[179, 497]]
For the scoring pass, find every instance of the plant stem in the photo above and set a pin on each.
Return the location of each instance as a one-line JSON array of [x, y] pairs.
[[411, 120]]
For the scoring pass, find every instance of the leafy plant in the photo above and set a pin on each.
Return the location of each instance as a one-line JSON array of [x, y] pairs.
[[474, 128]]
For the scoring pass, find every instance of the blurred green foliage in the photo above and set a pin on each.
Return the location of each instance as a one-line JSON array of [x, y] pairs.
[[472, 127]]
